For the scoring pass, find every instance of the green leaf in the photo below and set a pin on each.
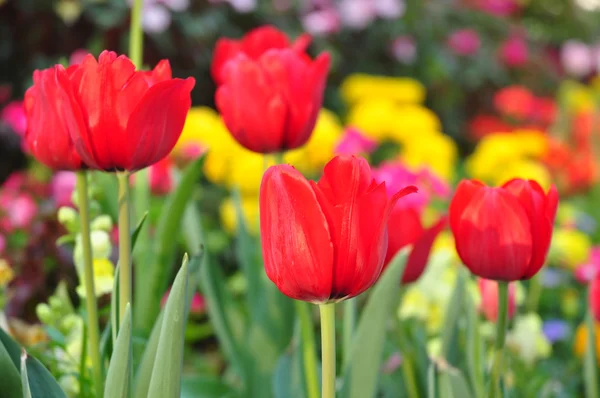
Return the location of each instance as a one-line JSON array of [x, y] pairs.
[[452, 384], [114, 307], [166, 374], [24, 377], [288, 378], [11, 380], [475, 358], [453, 312], [13, 349], [138, 228], [41, 382], [432, 381], [156, 275], [362, 370], [204, 387], [144, 372], [226, 316], [117, 377]]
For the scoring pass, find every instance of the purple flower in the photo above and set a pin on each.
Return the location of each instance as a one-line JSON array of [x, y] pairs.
[[556, 330], [404, 49], [322, 22], [62, 186]]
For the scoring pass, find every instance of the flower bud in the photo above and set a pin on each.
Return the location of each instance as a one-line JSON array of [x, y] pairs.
[[102, 223], [68, 217]]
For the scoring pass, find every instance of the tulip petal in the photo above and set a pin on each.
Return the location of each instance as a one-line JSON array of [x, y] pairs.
[[297, 247], [493, 235], [465, 191], [404, 228], [53, 114], [156, 123], [341, 172], [225, 49], [253, 111], [417, 260]]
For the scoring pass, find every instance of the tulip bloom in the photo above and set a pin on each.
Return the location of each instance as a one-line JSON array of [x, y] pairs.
[[254, 44], [594, 297], [405, 228], [104, 114], [271, 104], [326, 241], [503, 233], [488, 290]]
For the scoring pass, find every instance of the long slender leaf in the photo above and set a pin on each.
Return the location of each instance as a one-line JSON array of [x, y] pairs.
[[24, 376], [452, 384], [144, 372], [166, 374], [41, 382], [11, 380], [156, 276], [114, 307], [474, 349], [362, 371], [118, 376], [12, 348], [453, 312]]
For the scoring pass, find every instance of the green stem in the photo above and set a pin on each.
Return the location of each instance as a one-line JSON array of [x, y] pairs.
[[309, 355], [501, 323], [328, 349], [590, 364], [88, 281], [349, 325], [124, 244], [535, 291], [136, 34]]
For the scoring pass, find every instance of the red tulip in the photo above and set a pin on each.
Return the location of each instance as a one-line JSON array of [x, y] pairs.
[[325, 241], [116, 117], [488, 290], [254, 44], [270, 104], [405, 228], [503, 233]]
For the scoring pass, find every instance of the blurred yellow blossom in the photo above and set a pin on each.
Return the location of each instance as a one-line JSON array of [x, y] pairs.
[[436, 151], [320, 148], [6, 273], [576, 97], [359, 86], [203, 129], [570, 247], [25, 333], [375, 118], [500, 157], [414, 122], [526, 169], [104, 277], [228, 214], [581, 339]]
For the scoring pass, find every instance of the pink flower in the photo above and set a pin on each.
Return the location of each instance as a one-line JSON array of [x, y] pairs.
[[389, 9], [404, 49], [322, 22], [499, 8], [77, 56], [514, 52], [161, 177], [588, 271], [489, 299], [577, 58], [14, 182], [2, 244], [396, 174], [464, 42], [62, 187], [13, 114], [18, 210], [357, 14], [197, 306], [354, 143]]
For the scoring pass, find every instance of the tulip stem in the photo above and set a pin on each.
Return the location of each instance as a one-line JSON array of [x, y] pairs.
[[590, 360], [136, 34], [309, 354], [408, 365], [534, 293], [328, 350], [501, 323], [88, 281], [349, 325], [124, 244]]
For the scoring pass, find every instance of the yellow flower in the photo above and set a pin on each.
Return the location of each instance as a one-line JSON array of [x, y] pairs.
[[104, 277], [6, 273], [414, 122], [250, 210], [374, 117], [581, 339], [502, 156], [436, 151], [399, 89], [203, 128], [570, 247], [320, 147], [576, 97]]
